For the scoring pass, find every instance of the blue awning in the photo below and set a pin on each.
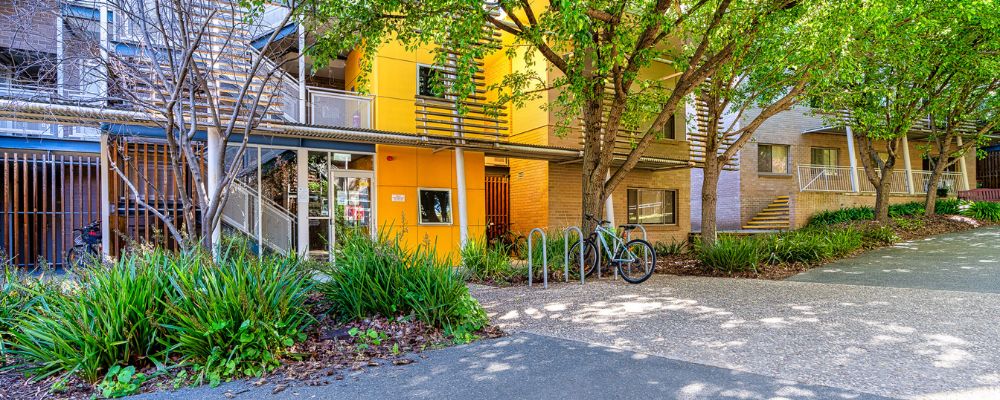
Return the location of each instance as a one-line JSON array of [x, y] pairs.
[[289, 29]]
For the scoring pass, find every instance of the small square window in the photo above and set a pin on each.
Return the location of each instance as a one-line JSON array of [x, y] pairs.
[[652, 206], [772, 158], [428, 77], [435, 206]]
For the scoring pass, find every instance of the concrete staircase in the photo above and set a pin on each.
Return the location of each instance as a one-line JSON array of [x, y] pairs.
[[776, 216]]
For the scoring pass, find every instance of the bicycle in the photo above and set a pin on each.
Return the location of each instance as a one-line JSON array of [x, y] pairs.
[[636, 258], [514, 243], [86, 245]]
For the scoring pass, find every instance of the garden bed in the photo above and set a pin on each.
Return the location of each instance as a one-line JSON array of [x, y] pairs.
[[156, 320], [905, 229]]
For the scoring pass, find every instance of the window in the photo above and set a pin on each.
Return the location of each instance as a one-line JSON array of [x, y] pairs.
[[435, 206], [772, 158], [652, 206], [427, 78], [670, 129], [824, 157]]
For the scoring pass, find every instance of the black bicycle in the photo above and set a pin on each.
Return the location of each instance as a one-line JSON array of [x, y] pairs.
[[86, 245], [512, 241], [635, 259]]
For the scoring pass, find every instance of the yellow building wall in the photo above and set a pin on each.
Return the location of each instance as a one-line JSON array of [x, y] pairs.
[[401, 171]]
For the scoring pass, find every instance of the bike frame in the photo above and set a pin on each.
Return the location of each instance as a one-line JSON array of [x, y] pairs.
[[618, 244]]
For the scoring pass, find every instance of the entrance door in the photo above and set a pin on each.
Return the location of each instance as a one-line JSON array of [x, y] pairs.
[[352, 203]]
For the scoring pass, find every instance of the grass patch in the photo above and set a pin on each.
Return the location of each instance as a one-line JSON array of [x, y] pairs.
[[981, 210], [489, 264]]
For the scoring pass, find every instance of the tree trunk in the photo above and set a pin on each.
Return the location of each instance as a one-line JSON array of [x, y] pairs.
[[930, 199], [709, 203], [593, 202], [882, 198]]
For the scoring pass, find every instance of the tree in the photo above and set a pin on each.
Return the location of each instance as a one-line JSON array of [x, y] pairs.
[[597, 49], [896, 62], [759, 81], [968, 109], [187, 65]]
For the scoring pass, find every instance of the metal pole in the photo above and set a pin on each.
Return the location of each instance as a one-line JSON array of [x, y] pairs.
[[213, 157], [566, 251], [105, 197], [463, 206], [302, 200]]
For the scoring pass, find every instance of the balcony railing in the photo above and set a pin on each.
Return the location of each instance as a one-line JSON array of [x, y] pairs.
[[338, 108], [837, 179]]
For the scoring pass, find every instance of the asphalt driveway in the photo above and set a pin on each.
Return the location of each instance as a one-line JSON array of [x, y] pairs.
[[964, 261]]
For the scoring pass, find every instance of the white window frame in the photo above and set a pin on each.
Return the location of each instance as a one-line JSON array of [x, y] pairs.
[[420, 207]]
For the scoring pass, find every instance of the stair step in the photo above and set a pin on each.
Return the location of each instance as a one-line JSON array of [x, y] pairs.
[[769, 218]]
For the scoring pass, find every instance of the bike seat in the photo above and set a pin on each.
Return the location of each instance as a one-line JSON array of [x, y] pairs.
[[628, 227]]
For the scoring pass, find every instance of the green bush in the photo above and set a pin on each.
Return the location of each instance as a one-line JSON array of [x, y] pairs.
[[843, 241], [983, 211], [731, 254], [235, 317], [874, 236], [946, 206], [152, 307], [906, 209], [832, 217], [669, 249], [378, 276], [485, 263], [797, 246]]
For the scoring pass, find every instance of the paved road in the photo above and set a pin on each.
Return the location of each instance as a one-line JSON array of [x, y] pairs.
[[528, 366], [965, 261]]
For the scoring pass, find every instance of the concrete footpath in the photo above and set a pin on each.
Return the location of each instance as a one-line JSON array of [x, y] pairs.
[[529, 366]]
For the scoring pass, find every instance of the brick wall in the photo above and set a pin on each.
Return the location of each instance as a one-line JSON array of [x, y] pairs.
[[565, 201], [28, 25], [757, 190], [727, 213]]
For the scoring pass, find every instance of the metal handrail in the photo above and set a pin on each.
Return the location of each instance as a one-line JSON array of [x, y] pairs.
[[545, 257], [566, 251]]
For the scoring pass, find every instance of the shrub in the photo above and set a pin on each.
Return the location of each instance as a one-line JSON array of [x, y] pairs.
[[946, 206], [668, 249], [731, 254], [906, 209], [797, 246], [908, 224], [832, 217], [486, 263], [843, 241], [229, 318], [874, 236], [378, 276], [110, 319], [235, 317], [983, 211]]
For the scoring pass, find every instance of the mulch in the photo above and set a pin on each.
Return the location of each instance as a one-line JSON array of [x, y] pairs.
[[329, 354]]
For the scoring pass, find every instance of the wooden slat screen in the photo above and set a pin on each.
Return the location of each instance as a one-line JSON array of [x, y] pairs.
[[44, 197], [497, 205], [988, 170], [146, 164]]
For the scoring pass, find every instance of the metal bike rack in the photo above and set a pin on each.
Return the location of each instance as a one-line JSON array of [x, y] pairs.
[[545, 257], [641, 228], [566, 251]]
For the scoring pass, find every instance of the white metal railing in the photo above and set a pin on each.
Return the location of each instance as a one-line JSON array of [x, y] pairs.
[[339, 108], [837, 179], [277, 224], [952, 181]]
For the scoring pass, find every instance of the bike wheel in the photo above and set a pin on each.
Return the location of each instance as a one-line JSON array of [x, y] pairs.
[[589, 257], [636, 261], [74, 258]]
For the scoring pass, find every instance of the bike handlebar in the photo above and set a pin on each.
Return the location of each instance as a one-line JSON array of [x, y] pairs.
[[599, 222]]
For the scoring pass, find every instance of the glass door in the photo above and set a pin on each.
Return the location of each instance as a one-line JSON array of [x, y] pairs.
[[352, 202]]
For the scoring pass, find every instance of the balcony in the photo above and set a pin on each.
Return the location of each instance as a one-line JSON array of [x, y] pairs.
[[39, 129], [339, 108], [837, 179]]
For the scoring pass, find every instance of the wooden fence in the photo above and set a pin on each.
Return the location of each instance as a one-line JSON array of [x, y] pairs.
[[988, 170], [44, 197], [497, 205]]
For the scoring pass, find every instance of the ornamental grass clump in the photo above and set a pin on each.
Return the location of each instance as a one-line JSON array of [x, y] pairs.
[[154, 307], [487, 263], [982, 210], [732, 254], [379, 277]]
